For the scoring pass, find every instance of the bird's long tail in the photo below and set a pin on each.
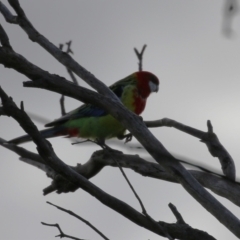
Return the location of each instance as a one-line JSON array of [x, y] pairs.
[[46, 133]]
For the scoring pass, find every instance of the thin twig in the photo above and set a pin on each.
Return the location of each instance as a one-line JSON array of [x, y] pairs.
[[7, 14], [63, 111], [176, 214], [80, 218], [68, 51], [4, 40], [140, 56], [62, 234], [141, 203], [132, 188]]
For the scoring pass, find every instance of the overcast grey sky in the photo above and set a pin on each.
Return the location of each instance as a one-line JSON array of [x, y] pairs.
[[199, 74]]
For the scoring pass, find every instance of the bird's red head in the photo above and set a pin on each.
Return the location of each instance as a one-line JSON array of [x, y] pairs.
[[147, 83]]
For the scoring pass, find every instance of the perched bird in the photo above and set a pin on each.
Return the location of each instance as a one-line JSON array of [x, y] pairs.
[[91, 122]]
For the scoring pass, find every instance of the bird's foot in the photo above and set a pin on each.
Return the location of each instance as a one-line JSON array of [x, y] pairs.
[[127, 137], [105, 147], [101, 143]]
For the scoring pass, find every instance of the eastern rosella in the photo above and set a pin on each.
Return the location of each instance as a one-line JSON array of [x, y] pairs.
[[91, 122]]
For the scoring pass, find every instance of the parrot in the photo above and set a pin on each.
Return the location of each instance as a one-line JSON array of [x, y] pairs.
[[91, 122]]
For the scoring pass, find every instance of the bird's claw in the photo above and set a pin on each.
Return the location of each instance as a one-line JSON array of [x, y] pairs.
[[128, 137]]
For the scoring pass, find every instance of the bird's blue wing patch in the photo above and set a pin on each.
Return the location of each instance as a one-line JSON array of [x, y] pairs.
[[86, 110], [89, 111]]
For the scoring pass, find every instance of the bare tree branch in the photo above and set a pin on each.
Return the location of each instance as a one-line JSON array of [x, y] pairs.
[[140, 56], [144, 211], [60, 56], [7, 14], [4, 40], [62, 106], [99, 159], [209, 138], [62, 234], [46, 152], [133, 123], [219, 185], [176, 214], [69, 50], [80, 218]]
